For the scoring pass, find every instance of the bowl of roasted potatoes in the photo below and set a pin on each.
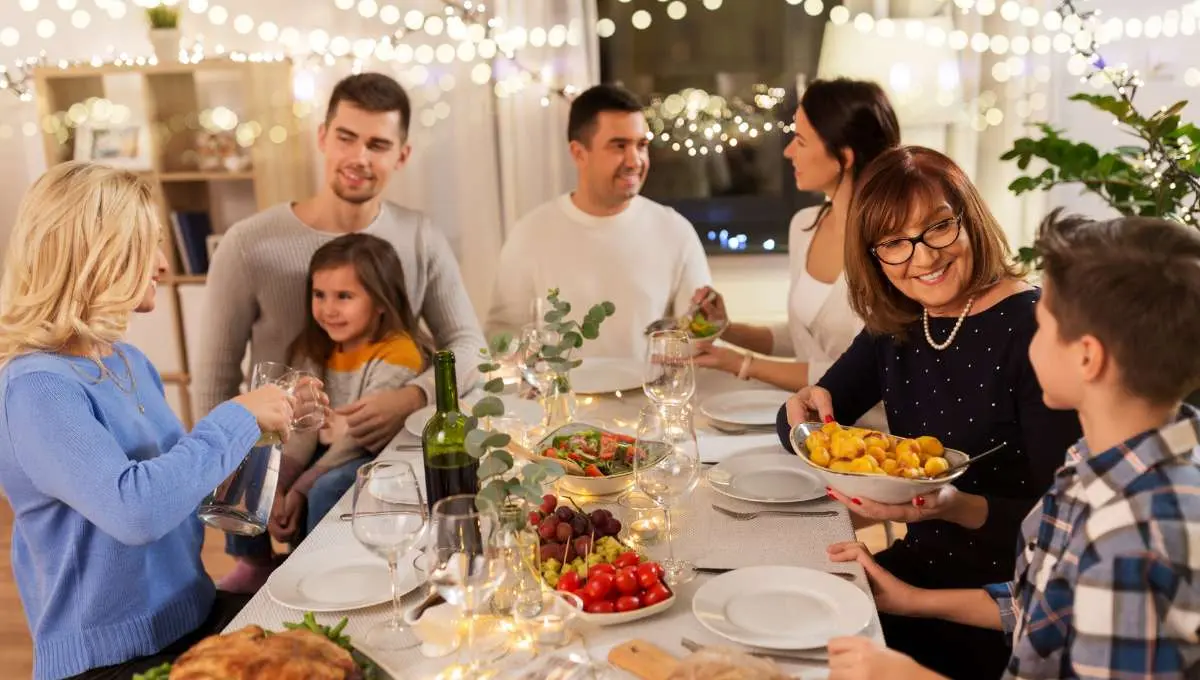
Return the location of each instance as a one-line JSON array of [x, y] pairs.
[[884, 468]]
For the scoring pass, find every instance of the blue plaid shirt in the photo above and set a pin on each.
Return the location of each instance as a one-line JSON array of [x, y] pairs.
[[1108, 572]]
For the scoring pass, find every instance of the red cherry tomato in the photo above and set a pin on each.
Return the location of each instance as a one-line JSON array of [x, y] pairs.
[[651, 568], [601, 607], [602, 568], [599, 585], [628, 603], [626, 559], [569, 581], [626, 583], [585, 597], [646, 577], [655, 594]]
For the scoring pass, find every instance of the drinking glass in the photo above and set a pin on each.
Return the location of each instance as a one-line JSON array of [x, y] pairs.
[[241, 504], [534, 369], [670, 377], [467, 562], [666, 468], [389, 519]]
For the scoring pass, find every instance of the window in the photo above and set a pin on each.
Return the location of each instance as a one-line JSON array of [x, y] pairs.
[[734, 72]]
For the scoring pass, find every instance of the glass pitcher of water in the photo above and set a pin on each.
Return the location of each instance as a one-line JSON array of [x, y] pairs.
[[242, 503]]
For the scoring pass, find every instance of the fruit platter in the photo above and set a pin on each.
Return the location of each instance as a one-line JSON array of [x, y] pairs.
[[582, 553], [596, 461]]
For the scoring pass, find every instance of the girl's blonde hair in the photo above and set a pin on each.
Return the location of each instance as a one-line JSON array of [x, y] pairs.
[[79, 259]]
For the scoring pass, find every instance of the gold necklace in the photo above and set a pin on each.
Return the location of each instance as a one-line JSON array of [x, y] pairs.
[[131, 389]]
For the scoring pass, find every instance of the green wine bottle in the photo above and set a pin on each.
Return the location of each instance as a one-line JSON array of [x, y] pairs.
[[449, 469]]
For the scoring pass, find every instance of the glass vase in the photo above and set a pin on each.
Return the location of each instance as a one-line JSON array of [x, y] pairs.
[[518, 544], [558, 401]]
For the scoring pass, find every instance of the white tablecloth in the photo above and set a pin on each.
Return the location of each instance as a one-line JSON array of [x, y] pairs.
[[706, 537]]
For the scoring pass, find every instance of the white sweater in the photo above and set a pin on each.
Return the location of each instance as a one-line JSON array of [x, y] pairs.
[[647, 260]]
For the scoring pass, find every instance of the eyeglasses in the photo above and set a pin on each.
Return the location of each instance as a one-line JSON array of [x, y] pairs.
[[936, 237]]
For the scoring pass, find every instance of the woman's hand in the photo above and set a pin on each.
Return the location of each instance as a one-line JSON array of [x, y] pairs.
[[720, 358], [859, 658], [947, 503], [714, 310], [271, 408], [891, 594], [810, 404]]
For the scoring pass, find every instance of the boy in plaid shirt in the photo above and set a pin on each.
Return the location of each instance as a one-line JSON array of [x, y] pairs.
[[1107, 583]]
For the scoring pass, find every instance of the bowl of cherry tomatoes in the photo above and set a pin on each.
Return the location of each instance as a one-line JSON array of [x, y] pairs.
[[625, 590]]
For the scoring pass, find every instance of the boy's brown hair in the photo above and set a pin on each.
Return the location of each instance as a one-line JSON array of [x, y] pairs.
[[1133, 283]]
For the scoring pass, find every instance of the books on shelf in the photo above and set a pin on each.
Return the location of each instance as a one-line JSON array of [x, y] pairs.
[[192, 230]]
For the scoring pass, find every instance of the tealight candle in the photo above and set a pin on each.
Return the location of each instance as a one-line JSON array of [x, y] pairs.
[[644, 530], [645, 518]]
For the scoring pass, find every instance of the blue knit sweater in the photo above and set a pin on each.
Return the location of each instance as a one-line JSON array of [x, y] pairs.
[[106, 544]]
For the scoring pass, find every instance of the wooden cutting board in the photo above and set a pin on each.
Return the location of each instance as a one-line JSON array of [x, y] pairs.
[[643, 659]]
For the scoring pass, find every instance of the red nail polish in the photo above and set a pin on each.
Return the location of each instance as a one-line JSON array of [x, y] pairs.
[[855, 501], [919, 501], [829, 492], [829, 419]]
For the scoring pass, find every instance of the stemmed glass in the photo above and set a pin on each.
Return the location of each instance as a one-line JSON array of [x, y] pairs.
[[670, 377], [389, 518], [666, 468], [467, 562]]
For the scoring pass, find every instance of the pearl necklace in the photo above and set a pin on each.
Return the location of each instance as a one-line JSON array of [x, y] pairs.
[[961, 317]]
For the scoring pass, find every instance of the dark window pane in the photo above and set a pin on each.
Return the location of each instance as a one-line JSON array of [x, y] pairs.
[[733, 182]]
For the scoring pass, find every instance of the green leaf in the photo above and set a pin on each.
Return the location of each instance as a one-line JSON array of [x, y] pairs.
[[488, 367], [475, 442], [495, 385], [491, 495], [496, 440], [574, 363], [501, 344], [552, 470], [590, 330], [609, 308], [550, 351], [531, 493], [572, 339], [488, 406], [491, 466], [553, 316], [472, 423]]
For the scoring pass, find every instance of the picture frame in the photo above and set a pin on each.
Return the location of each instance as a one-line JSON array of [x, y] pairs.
[[120, 146]]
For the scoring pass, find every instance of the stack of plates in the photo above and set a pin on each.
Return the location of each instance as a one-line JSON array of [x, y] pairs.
[[745, 408]]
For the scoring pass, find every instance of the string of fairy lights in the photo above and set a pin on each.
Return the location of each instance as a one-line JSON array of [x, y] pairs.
[[692, 121]]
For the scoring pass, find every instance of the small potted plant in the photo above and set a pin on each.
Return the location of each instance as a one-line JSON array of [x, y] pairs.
[[164, 29]]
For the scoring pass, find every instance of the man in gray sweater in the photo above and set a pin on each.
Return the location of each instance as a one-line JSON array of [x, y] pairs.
[[257, 278]]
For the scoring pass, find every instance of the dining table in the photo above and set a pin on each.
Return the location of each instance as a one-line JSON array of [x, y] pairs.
[[704, 536]]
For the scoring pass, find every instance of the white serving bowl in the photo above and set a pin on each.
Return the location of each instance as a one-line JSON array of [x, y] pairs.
[[879, 488], [586, 486], [617, 618]]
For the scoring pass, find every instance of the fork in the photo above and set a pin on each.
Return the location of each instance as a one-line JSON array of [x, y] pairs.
[[733, 429], [744, 516]]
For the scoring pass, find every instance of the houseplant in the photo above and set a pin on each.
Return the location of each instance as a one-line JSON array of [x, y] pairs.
[[164, 30], [1158, 175]]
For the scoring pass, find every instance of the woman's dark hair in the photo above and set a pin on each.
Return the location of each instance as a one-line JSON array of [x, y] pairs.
[[379, 271], [850, 114]]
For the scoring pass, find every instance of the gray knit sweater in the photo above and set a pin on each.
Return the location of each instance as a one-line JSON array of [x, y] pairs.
[[256, 288]]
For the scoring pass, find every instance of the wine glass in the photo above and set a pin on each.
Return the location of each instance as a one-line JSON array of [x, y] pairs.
[[389, 518], [670, 377], [467, 562], [666, 468]]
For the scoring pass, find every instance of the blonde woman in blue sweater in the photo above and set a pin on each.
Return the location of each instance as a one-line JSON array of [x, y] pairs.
[[102, 478]]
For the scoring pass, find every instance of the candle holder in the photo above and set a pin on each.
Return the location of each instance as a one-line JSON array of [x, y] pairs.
[[545, 621], [643, 518]]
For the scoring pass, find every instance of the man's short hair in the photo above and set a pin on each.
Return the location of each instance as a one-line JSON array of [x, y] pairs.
[[590, 103], [374, 92]]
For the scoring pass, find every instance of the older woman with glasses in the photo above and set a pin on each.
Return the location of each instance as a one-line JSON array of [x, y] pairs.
[[948, 323]]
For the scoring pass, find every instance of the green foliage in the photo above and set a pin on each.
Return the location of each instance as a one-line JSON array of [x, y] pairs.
[[163, 16], [1156, 176], [488, 446]]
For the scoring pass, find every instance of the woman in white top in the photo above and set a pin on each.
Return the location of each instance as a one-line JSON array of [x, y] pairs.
[[841, 126]]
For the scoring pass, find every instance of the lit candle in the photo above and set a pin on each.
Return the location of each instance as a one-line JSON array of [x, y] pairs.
[[549, 630], [644, 530]]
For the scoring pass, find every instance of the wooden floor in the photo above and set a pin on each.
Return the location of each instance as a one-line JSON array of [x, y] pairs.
[[16, 656]]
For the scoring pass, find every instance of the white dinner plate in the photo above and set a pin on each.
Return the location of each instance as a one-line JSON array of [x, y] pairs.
[[603, 375], [781, 607], [334, 580], [745, 407], [764, 475], [526, 410]]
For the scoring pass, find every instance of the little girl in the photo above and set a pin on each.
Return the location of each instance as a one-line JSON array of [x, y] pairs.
[[361, 336]]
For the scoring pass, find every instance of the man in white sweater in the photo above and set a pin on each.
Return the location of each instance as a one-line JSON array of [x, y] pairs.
[[257, 279], [602, 241]]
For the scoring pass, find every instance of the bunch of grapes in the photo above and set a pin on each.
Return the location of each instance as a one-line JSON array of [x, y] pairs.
[[567, 534]]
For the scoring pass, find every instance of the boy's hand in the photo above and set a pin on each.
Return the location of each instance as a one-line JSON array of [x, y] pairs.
[[858, 658], [891, 594]]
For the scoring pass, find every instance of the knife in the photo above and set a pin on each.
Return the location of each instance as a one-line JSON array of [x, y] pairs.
[[775, 655]]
